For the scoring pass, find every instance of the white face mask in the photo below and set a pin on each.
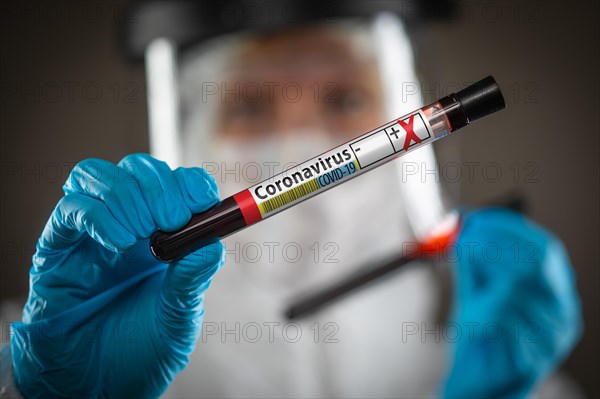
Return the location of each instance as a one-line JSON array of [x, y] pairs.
[[258, 160], [353, 225]]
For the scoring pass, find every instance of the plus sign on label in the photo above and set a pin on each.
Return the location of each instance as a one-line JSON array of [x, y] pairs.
[[413, 131], [393, 138]]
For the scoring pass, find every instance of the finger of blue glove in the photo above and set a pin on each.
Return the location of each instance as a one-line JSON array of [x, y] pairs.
[[198, 188], [77, 214], [160, 190], [115, 187], [182, 293], [498, 247], [188, 278]]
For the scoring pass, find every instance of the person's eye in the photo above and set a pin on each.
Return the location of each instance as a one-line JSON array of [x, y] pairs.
[[245, 110], [347, 101]]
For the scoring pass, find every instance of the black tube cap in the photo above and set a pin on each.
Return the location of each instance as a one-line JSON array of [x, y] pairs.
[[481, 98]]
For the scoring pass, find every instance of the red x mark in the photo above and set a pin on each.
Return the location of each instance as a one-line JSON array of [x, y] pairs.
[[410, 133]]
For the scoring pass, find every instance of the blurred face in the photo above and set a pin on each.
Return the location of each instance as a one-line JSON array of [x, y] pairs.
[[301, 80]]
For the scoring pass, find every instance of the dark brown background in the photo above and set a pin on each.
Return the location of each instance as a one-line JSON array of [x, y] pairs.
[[544, 54]]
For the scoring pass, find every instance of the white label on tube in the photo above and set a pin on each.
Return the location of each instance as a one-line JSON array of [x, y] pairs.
[[335, 166]]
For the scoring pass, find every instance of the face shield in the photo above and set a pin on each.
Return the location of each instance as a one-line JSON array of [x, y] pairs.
[[247, 105]]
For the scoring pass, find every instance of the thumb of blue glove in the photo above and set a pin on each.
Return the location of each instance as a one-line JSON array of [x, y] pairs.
[[103, 316], [516, 304]]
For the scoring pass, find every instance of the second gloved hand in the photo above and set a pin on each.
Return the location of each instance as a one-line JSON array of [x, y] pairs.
[[103, 316], [516, 305]]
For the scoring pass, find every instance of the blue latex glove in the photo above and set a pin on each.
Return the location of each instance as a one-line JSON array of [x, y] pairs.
[[516, 304], [103, 317]]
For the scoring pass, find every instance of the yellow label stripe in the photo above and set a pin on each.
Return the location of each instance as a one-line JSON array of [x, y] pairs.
[[289, 196]]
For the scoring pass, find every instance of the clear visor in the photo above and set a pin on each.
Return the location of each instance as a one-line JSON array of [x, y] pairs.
[[251, 105]]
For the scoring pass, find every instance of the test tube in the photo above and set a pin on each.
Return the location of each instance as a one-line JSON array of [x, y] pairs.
[[331, 168]]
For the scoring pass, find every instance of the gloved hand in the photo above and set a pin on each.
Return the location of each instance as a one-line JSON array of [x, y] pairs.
[[516, 305], [103, 316]]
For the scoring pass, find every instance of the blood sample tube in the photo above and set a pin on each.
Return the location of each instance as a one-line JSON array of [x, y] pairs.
[[331, 168]]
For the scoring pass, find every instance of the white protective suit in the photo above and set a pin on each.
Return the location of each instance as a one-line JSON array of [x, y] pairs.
[[355, 348]]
